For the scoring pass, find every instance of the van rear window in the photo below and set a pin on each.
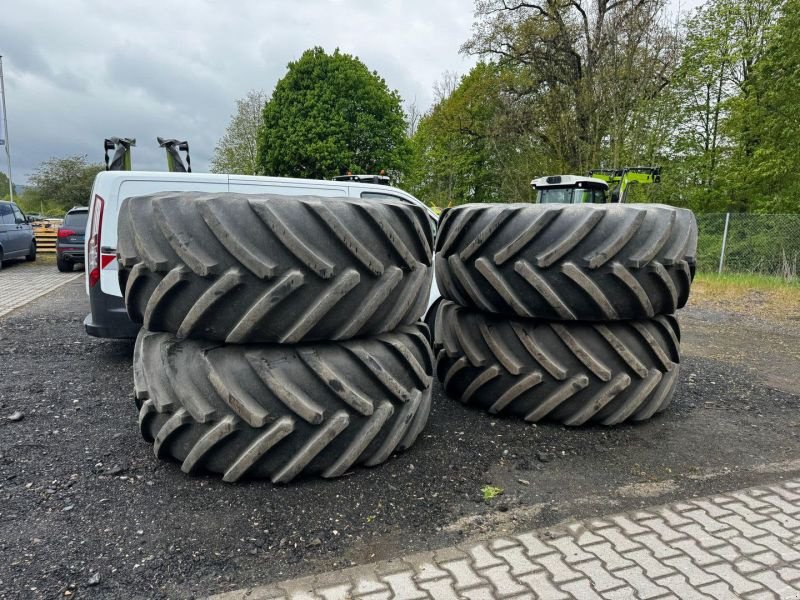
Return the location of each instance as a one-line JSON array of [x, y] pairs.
[[76, 219]]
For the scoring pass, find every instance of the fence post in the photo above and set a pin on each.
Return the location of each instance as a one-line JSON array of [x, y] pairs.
[[724, 241]]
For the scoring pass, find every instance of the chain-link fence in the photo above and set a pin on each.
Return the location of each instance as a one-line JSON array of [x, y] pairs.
[[749, 243]]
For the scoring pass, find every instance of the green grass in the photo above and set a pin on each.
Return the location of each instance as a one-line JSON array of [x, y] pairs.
[[490, 492], [747, 280]]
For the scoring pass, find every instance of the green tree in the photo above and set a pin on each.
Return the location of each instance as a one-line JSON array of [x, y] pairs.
[[328, 114], [58, 184], [4, 190], [765, 122], [471, 146], [583, 72], [237, 150], [724, 40]]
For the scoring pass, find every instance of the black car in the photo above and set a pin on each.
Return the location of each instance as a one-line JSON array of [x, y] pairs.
[[69, 243], [16, 234]]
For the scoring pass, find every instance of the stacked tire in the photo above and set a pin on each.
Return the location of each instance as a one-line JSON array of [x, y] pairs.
[[563, 312], [281, 335]]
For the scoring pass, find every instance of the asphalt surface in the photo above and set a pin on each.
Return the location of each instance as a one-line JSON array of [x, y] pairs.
[[86, 510]]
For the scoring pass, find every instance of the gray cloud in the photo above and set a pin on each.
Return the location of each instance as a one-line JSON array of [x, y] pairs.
[[77, 72]]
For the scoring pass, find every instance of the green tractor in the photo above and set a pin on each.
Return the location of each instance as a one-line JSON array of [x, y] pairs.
[[574, 189]]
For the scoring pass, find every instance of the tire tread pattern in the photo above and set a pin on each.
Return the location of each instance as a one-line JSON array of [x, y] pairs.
[[567, 262], [572, 373], [278, 411], [267, 268]]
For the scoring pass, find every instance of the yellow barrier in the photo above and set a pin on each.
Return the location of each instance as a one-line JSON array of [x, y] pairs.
[[46, 232]]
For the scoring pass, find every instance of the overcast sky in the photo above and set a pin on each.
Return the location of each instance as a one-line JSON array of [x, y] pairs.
[[79, 71]]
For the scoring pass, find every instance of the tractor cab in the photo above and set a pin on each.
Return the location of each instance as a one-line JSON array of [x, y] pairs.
[[570, 189]]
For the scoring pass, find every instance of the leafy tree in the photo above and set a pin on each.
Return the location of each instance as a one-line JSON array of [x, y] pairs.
[[237, 151], [328, 114], [765, 122], [583, 71], [4, 187], [724, 41], [470, 146], [58, 184]]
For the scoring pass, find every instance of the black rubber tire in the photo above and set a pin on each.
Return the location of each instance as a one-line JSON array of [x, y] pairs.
[[64, 265], [31, 256], [568, 372], [277, 411], [582, 262], [267, 268]]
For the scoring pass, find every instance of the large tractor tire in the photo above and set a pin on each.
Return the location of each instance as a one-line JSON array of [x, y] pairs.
[[265, 268], [277, 411], [582, 262], [571, 373]]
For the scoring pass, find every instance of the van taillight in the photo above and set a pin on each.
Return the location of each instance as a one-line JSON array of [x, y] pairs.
[[93, 245]]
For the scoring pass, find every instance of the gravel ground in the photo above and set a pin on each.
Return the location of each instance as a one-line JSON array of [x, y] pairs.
[[87, 511]]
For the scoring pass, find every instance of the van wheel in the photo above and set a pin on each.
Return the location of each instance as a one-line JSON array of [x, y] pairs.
[[32, 252]]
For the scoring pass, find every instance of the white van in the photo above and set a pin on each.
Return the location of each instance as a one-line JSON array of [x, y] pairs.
[[108, 317]]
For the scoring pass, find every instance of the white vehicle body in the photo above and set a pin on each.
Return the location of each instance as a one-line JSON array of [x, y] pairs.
[[112, 187]]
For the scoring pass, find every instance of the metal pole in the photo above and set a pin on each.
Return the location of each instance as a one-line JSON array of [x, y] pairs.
[[724, 241], [5, 127]]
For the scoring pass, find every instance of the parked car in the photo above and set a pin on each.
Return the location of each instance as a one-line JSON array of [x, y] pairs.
[[16, 234], [108, 317], [70, 239]]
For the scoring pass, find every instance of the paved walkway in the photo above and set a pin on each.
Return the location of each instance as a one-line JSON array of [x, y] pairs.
[[739, 545], [22, 282]]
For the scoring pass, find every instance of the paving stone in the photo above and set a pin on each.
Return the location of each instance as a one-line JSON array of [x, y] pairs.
[[571, 552], [502, 582], [713, 510], [557, 568], [678, 585], [702, 537], [440, 589], [771, 580], [403, 586], [785, 493], [695, 574], [611, 559], [652, 567], [740, 585], [619, 540], [533, 545], [664, 531], [582, 535], [543, 585], [581, 589], [602, 580], [644, 586], [482, 593], [750, 501], [720, 591], [781, 504], [519, 562], [659, 548], [463, 574], [483, 558]]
